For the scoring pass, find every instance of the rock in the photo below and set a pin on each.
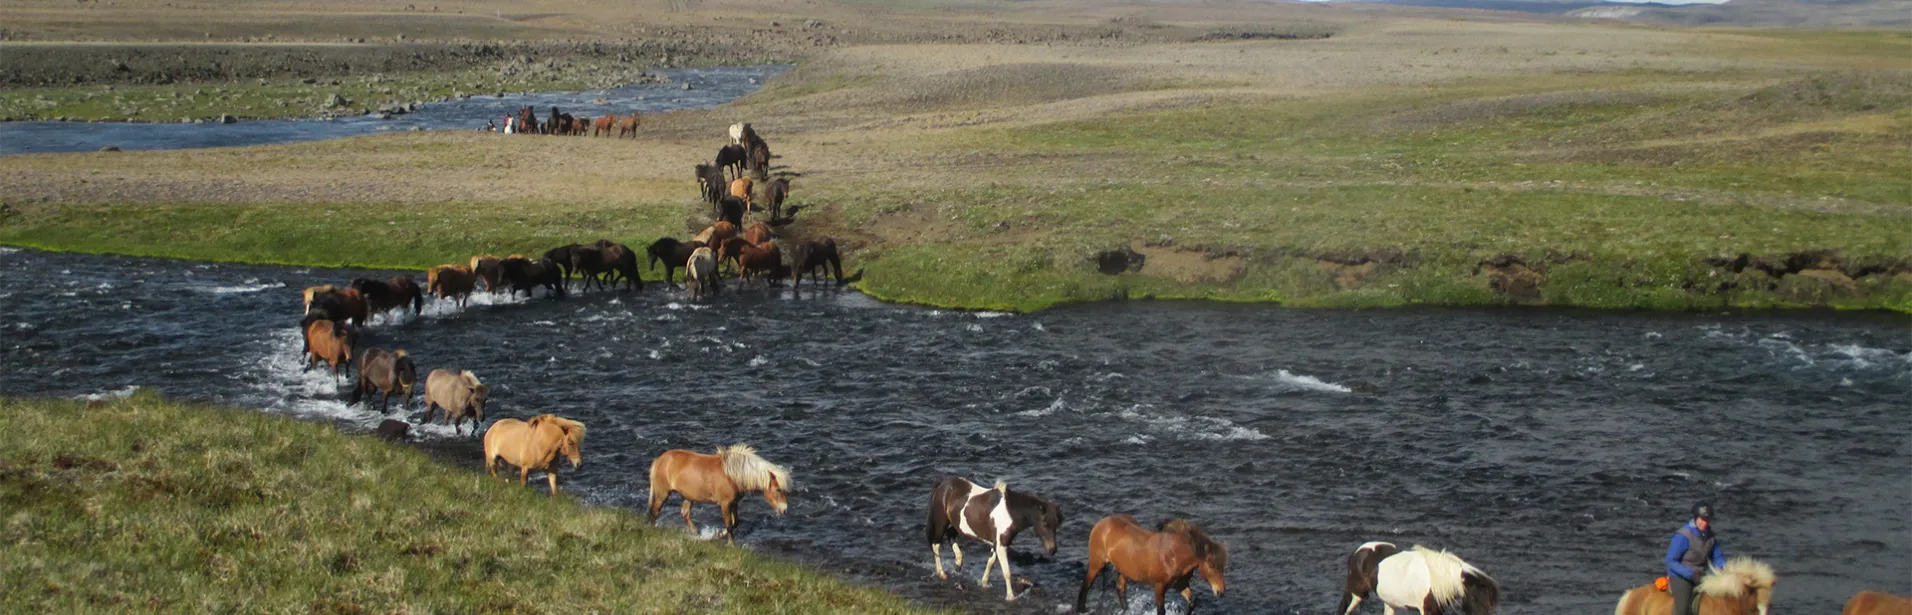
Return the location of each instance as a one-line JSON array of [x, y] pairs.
[[686, 86], [228, 119], [1113, 262], [416, 129], [335, 101], [309, 81], [110, 148], [813, 24], [384, 115], [393, 430]]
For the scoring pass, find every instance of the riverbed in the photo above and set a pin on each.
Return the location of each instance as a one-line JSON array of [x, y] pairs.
[[1556, 449]]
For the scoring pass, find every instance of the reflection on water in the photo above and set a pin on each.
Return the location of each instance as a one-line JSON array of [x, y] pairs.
[[1555, 449]]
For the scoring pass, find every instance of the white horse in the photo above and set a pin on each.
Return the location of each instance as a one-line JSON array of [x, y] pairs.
[[1420, 578], [737, 133], [700, 273]]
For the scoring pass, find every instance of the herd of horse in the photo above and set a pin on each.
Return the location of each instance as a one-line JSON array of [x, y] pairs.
[[1166, 557], [525, 122]]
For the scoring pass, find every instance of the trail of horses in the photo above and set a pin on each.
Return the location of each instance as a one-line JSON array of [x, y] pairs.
[[1553, 449]]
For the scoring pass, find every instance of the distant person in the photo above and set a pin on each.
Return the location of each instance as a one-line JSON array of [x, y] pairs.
[[1694, 547]]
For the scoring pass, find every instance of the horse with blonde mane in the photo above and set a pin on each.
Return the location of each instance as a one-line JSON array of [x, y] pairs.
[[1877, 603], [1420, 578], [1743, 587], [720, 479], [534, 445], [1167, 558], [700, 273]]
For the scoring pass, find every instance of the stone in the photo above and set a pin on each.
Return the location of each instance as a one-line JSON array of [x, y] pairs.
[[228, 119], [335, 101]]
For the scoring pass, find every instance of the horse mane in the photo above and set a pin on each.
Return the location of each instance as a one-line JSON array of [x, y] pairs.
[[1446, 574], [573, 430], [1205, 547], [751, 472], [469, 377], [1739, 575], [400, 353]]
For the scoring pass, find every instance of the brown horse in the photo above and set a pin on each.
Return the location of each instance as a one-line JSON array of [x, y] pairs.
[[528, 121], [1743, 587], [459, 394], [329, 342], [604, 126], [341, 304], [711, 183], [740, 188], [382, 297], [455, 282], [765, 261], [716, 234], [672, 253], [485, 266], [1877, 603], [812, 255], [1167, 558], [387, 373], [719, 479], [628, 125], [533, 445], [776, 191], [758, 233], [314, 292]]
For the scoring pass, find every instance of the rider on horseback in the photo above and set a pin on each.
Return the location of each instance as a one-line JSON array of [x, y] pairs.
[[1693, 548]]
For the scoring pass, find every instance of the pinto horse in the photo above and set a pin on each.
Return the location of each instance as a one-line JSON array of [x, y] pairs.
[[719, 479], [534, 445], [386, 373], [1877, 603], [993, 515], [672, 253], [1420, 578], [1743, 587], [1167, 558]]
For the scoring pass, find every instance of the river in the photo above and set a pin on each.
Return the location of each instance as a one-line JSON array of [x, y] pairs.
[[1556, 449], [709, 87]]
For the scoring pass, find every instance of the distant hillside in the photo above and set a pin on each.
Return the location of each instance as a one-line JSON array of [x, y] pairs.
[[1795, 13]]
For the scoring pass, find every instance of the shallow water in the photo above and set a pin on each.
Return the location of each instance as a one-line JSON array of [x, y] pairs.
[[709, 87], [1555, 449]]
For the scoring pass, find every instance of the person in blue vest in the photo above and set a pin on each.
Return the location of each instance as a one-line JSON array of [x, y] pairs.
[[1693, 549]]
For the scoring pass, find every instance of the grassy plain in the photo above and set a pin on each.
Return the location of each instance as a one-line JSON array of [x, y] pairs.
[[1400, 161], [145, 505]]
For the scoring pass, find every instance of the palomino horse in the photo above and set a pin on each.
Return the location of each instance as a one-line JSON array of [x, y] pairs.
[[1743, 587], [719, 479], [1877, 603], [454, 282], [534, 445], [1420, 578], [1167, 558], [387, 373], [672, 253], [460, 394], [314, 292], [700, 273], [330, 342], [994, 516]]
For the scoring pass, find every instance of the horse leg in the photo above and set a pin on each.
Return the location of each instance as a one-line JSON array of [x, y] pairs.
[[1122, 589], [1386, 609], [729, 511], [1008, 583], [657, 503], [1353, 603], [937, 550], [988, 565], [959, 554], [687, 523], [1161, 598], [553, 477], [1188, 595], [524, 475], [1088, 580]]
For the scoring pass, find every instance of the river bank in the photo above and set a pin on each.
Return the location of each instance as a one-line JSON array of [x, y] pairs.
[[239, 509]]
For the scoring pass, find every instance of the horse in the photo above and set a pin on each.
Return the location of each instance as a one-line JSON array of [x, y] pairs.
[[314, 292], [609, 258], [1877, 603], [737, 133], [757, 159], [485, 266], [700, 273], [731, 209], [511, 125], [992, 515], [381, 297], [628, 125], [455, 282], [758, 233], [812, 255], [730, 158], [716, 234], [766, 260], [1167, 558], [746, 135], [524, 276], [533, 445], [1743, 587], [388, 373], [672, 253], [562, 256], [552, 125], [711, 183], [329, 342], [775, 192], [343, 304], [459, 394], [740, 188], [1420, 578], [527, 120], [719, 479], [604, 126]]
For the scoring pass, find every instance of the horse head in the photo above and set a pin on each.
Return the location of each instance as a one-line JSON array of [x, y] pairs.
[[1743, 576], [569, 435], [1048, 521], [777, 494], [1214, 565]]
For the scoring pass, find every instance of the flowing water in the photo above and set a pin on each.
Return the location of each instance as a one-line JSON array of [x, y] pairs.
[[709, 87], [1556, 449]]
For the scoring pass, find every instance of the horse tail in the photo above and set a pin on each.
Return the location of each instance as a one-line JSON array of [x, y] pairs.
[[418, 300], [1002, 488]]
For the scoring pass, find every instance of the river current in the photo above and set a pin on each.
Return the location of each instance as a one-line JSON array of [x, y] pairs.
[[1556, 449]]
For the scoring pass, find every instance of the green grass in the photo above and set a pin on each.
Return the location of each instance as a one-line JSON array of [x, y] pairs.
[[264, 99], [145, 505]]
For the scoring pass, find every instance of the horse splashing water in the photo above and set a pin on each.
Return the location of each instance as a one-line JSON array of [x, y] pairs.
[[959, 507], [1420, 578], [719, 479], [1167, 558]]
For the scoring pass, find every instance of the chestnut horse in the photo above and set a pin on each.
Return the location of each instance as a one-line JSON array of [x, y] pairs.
[[604, 126], [1877, 603], [329, 342], [1420, 578], [1167, 558], [386, 373], [534, 445], [765, 261], [740, 188], [628, 125], [958, 507], [1743, 587], [716, 234], [758, 233], [719, 479], [454, 282]]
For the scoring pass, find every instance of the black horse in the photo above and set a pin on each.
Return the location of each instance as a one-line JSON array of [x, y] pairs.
[[731, 208], [523, 275], [960, 507], [562, 256], [731, 159], [604, 263], [711, 182], [813, 255], [673, 253]]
